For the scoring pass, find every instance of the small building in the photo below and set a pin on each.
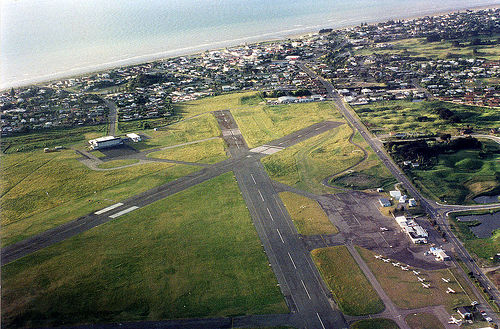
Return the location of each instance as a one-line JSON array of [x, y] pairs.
[[384, 202], [415, 232], [465, 312], [412, 203], [286, 99], [440, 254], [134, 137], [105, 142], [403, 199], [395, 194]]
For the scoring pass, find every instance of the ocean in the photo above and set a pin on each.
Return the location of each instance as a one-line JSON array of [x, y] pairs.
[[46, 39]]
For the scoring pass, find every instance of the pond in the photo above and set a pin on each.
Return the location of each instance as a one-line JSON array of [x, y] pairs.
[[487, 199], [489, 223]]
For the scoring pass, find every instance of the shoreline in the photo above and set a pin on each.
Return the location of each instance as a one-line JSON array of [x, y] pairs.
[[218, 45]]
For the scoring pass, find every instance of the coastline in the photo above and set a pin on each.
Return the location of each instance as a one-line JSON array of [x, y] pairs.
[[291, 33]]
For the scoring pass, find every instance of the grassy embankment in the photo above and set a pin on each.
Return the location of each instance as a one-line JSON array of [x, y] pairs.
[[351, 289], [423, 321], [460, 177], [307, 215], [419, 47], [193, 254], [375, 324], [483, 248], [43, 190], [210, 151], [422, 117], [407, 292]]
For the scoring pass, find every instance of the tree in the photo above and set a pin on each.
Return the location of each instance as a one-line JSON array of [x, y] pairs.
[[445, 137]]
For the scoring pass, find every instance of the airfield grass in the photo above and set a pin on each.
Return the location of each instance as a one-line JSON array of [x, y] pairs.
[[217, 103], [189, 130], [351, 289], [407, 292], [307, 215], [260, 123], [483, 248], [461, 176], [210, 151], [43, 190], [403, 116], [419, 47], [375, 324], [193, 254], [117, 163], [423, 321]]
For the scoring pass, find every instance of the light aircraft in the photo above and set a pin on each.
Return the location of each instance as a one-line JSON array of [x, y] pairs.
[[455, 321], [445, 280], [420, 279], [426, 285], [404, 268], [378, 256], [450, 291], [386, 260], [383, 229], [395, 264], [416, 273]]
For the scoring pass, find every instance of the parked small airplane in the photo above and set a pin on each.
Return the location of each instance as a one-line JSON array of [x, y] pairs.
[[426, 285], [378, 256], [420, 279], [395, 264], [383, 229], [450, 291], [386, 260], [455, 321], [445, 280], [404, 268], [416, 273]]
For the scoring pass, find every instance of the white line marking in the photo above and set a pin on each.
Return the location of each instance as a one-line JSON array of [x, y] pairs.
[[261, 195], [102, 211], [307, 292], [123, 212], [270, 214], [320, 320], [280, 236], [253, 179], [293, 263]]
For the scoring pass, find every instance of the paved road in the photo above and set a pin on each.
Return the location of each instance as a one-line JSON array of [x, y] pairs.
[[432, 208], [112, 117]]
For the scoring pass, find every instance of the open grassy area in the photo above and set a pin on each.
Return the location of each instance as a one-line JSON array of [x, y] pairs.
[[307, 215], [117, 163], [351, 289], [423, 321], [419, 47], [375, 324], [189, 130], [422, 117], [43, 190], [210, 151], [306, 164], [217, 103], [460, 177], [407, 292], [483, 248], [260, 123], [193, 254]]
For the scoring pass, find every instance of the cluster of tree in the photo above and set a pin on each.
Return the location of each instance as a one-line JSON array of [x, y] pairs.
[[323, 31], [144, 80], [448, 115], [280, 93], [423, 151]]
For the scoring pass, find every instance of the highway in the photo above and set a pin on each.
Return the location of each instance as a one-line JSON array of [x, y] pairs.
[[432, 208]]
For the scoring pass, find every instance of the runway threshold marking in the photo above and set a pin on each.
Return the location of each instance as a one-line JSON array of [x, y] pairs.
[[260, 195], [322, 325], [293, 263], [280, 235], [270, 214], [307, 292], [253, 179], [102, 211], [123, 212]]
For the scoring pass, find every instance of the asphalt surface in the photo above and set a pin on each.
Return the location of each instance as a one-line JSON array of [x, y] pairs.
[[112, 117]]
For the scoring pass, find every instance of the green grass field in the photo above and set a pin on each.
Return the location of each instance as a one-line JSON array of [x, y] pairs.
[[43, 190], [307, 215], [485, 248], [375, 324], [403, 116], [193, 254], [407, 292], [351, 289], [306, 164], [423, 321], [117, 163], [460, 177], [437, 50], [210, 151]]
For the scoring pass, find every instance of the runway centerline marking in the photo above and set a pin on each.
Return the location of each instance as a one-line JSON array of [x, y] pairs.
[[270, 214], [253, 179], [322, 325], [293, 263], [280, 235], [307, 292], [123, 212], [102, 211], [261, 195]]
